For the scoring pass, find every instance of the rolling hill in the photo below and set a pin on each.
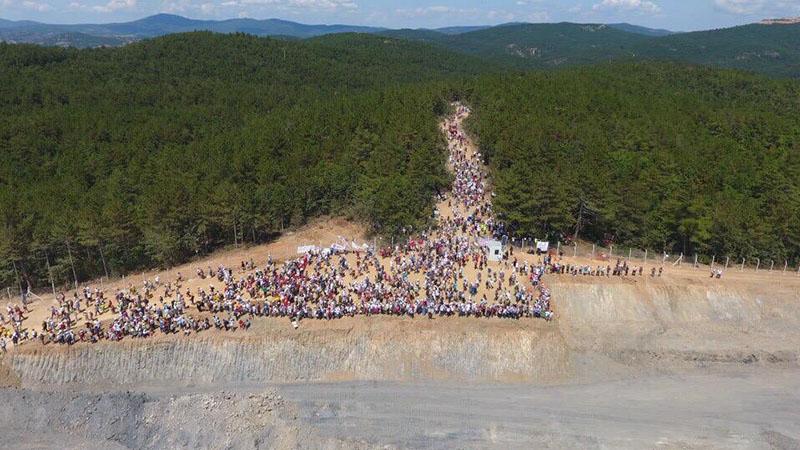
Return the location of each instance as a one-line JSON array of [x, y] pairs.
[[770, 49], [773, 49], [654, 32], [112, 34], [159, 25], [537, 45]]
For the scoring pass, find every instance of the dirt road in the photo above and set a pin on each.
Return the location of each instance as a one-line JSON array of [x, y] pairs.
[[743, 410]]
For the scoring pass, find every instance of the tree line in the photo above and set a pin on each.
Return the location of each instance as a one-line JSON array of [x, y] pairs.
[[660, 156]]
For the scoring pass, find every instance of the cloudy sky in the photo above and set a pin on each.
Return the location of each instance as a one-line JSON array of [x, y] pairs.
[[681, 15]]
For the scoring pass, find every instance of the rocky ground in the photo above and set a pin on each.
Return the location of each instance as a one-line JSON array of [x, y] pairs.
[[741, 410]]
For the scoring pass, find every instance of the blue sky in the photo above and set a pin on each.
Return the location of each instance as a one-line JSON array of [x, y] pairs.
[[682, 15]]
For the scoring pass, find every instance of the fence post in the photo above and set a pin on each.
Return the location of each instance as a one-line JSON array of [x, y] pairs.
[[593, 246], [727, 260], [630, 253], [771, 265], [16, 275], [72, 263], [576, 251], [680, 260], [558, 248], [645, 258], [713, 260], [695, 260], [758, 263], [103, 258], [785, 266], [742, 269], [50, 272]]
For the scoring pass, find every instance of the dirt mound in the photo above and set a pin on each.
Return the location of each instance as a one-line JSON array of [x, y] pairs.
[[110, 420]]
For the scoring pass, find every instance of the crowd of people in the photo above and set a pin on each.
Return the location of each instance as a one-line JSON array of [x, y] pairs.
[[444, 271], [620, 269]]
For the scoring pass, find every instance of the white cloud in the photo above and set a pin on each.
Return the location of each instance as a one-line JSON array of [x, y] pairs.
[[111, 6], [740, 6], [494, 15], [36, 6], [538, 16], [247, 8], [327, 5], [27, 4], [501, 15], [771, 8], [212, 7], [643, 6], [436, 10], [323, 4]]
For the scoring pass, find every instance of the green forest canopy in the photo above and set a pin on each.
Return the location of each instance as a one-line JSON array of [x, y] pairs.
[[155, 152], [150, 154], [666, 157]]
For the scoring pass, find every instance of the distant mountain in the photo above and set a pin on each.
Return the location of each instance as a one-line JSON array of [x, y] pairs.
[[460, 30], [536, 45], [163, 24], [770, 49], [653, 32]]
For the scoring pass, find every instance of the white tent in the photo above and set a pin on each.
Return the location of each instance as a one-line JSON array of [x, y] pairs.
[[303, 249], [495, 249]]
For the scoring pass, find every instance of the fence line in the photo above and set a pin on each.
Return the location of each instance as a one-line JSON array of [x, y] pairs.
[[584, 250], [648, 258]]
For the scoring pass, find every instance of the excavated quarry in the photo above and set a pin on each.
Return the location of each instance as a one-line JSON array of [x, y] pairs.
[[603, 330], [626, 364]]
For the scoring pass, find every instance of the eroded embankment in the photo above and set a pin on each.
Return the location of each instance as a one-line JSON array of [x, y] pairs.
[[362, 348], [604, 329], [663, 327]]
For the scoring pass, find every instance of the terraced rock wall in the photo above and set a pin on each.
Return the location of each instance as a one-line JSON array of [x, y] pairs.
[[603, 330]]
